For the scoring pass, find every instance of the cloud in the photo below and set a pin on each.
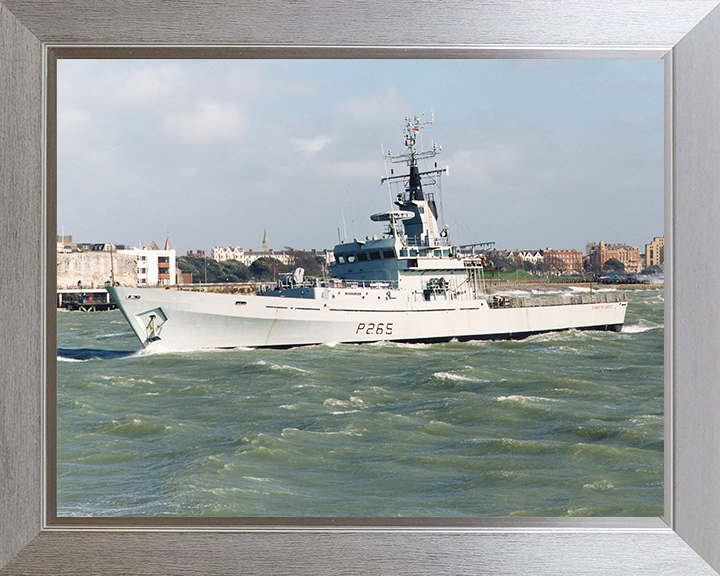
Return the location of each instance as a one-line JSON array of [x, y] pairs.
[[266, 80], [144, 86], [209, 123], [526, 142], [311, 146], [388, 106]]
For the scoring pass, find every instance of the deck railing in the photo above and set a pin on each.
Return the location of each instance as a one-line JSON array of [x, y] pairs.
[[499, 301]]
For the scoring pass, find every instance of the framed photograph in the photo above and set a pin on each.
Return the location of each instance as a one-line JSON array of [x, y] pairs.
[[684, 540]]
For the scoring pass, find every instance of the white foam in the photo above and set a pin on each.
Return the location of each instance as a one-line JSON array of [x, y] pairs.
[[111, 335], [159, 349], [525, 399], [451, 376], [412, 345], [638, 328]]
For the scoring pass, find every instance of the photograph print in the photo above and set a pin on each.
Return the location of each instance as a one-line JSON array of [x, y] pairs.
[[360, 288]]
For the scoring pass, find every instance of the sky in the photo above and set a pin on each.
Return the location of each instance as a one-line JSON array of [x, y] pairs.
[[541, 153]]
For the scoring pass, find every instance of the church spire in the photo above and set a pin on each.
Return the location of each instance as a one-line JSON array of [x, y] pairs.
[[265, 243]]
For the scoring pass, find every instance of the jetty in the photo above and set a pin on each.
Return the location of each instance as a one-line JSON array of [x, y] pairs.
[[84, 299]]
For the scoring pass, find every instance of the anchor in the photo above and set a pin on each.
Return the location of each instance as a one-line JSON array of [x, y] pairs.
[[152, 336]]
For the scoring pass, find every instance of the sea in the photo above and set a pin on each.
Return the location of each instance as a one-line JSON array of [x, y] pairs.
[[560, 424]]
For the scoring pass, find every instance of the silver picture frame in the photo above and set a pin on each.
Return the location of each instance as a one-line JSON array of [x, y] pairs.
[[685, 33]]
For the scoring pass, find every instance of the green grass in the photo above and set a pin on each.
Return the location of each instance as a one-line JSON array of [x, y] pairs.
[[516, 275]]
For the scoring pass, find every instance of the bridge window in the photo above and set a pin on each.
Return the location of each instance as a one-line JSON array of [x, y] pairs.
[[341, 259], [362, 257], [389, 254], [374, 255]]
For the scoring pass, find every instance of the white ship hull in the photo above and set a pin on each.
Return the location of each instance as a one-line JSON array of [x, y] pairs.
[[181, 320]]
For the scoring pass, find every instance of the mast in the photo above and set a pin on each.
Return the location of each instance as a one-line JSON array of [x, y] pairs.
[[423, 227]]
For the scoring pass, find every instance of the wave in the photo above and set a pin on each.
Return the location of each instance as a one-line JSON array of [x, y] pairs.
[[112, 335], [451, 376], [594, 289], [411, 345], [599, 485], [84, 354], [639, 328], [273, 366], [157, 349], [134, 428], [533, 400]]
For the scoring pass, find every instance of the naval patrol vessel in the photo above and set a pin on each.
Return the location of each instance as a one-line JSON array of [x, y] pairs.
[[407, 285]]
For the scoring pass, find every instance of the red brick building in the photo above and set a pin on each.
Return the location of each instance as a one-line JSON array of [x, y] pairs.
[[563, 261]]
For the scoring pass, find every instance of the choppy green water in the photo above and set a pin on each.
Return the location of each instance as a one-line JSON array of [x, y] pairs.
[[560, 424]]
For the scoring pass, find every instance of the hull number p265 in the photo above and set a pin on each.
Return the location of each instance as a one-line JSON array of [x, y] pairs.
[[377, 329]]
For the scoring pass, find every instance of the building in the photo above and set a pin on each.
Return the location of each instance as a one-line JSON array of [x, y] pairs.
[[533, 256], [65, 243], [329, 256], [222, 253], [629, 256], [198, 253], [655, 252], [563, 261], [95, 268], [155, 267]]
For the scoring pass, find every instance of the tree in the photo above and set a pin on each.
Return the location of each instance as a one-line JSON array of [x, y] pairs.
[[264, 269], [499, 260], [237, 269], [228, 278], [613, 265], [554, 263], [310, 262], [200, 267], [209, 270]]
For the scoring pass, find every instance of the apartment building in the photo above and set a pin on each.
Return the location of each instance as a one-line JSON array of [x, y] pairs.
[[155, 266], [655, 252]]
